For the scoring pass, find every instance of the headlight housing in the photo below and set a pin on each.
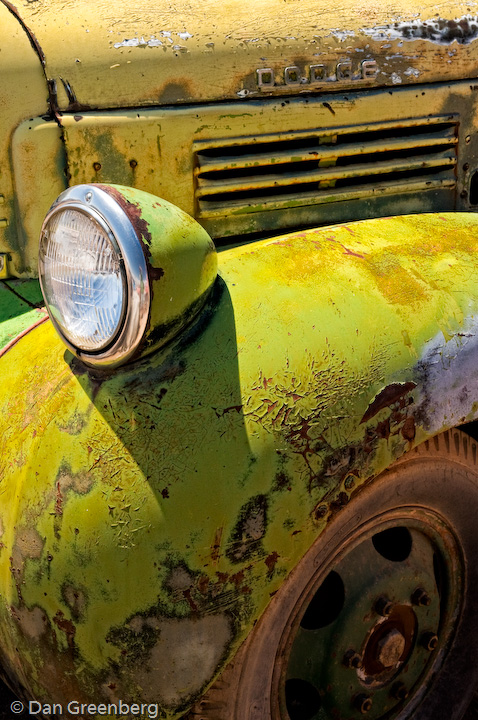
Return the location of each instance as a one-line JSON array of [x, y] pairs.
[[105, 253]]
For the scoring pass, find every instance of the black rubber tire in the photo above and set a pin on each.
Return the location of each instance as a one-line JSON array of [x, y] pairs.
[[440, 476]]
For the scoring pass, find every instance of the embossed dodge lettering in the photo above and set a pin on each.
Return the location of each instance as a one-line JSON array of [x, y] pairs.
[[343, 71]]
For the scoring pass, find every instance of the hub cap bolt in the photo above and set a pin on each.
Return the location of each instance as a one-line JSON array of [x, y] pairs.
[[429, 641], [352, 659], [399, 691], [421, 598], [363, 703], [383, 606]]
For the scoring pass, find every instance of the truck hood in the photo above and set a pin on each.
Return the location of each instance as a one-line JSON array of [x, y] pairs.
[[115, 54]]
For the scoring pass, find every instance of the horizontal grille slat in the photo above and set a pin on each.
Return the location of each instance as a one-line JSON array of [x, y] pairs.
[[270, 172], [323, 152], [211, 187], [216, 209]]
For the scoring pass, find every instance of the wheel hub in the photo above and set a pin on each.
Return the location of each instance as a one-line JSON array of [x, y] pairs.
[[388, 646], [390, 649], [367, 639]]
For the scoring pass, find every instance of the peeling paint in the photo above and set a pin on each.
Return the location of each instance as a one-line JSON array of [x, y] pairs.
[[462, 30], [154, 41]]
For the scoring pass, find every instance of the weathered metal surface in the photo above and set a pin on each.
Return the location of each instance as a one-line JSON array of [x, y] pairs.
[[23, 94], [20, 309], [125, 146], [153, 55], [148, 516], [39, 169]]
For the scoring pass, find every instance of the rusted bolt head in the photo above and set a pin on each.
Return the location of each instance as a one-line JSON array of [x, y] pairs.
[[352, 659], [429, 641], [399, 691], [390, 648], [350, 482], [383, 606], [421, 598], [96, 166], [363, 703], [320, 511]]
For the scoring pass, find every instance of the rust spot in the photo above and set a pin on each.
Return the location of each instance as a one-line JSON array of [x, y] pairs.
[[221, 413], [347, 251], [134, 214], [388, 396], [191, 603], [237, 578], [155, 273], [320, 511], [408, 429], [383, 429], [271, 561], [66, 626], [203, 584], [58, 500], [339, 503]]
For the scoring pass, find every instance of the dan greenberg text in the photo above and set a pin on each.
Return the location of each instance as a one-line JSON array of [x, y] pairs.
[[118, 708]]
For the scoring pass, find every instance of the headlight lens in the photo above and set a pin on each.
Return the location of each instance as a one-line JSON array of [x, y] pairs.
[[94, 275], [122, 271], [83, 278]]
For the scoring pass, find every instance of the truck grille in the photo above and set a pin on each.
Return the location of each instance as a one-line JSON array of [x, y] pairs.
[[273, 172]]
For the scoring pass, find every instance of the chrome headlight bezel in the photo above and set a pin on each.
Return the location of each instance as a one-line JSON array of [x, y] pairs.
[[96, 204]]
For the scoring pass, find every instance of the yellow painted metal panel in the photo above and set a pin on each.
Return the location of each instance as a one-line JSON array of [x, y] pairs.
[[162, 54], [23, 94]]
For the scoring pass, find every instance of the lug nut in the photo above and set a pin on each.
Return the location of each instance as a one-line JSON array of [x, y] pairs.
[[363, 703], [383, 606], [421, 598], [399, 691], [352, 659], [429, 641]]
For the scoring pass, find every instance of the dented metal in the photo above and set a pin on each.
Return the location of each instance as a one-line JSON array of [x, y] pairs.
[[148, 516]]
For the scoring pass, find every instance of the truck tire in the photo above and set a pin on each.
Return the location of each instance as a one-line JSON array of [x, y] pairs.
[[379, 620]]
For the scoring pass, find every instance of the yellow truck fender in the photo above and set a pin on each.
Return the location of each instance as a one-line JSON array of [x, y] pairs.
[[148, 515]]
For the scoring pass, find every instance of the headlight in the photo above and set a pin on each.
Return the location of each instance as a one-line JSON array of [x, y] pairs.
[[84, 278], [105, 252]]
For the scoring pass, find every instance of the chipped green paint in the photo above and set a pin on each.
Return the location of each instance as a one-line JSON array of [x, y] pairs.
[[148, 516]]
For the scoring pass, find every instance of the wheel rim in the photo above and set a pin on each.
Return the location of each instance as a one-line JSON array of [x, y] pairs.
[[373, 626]]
